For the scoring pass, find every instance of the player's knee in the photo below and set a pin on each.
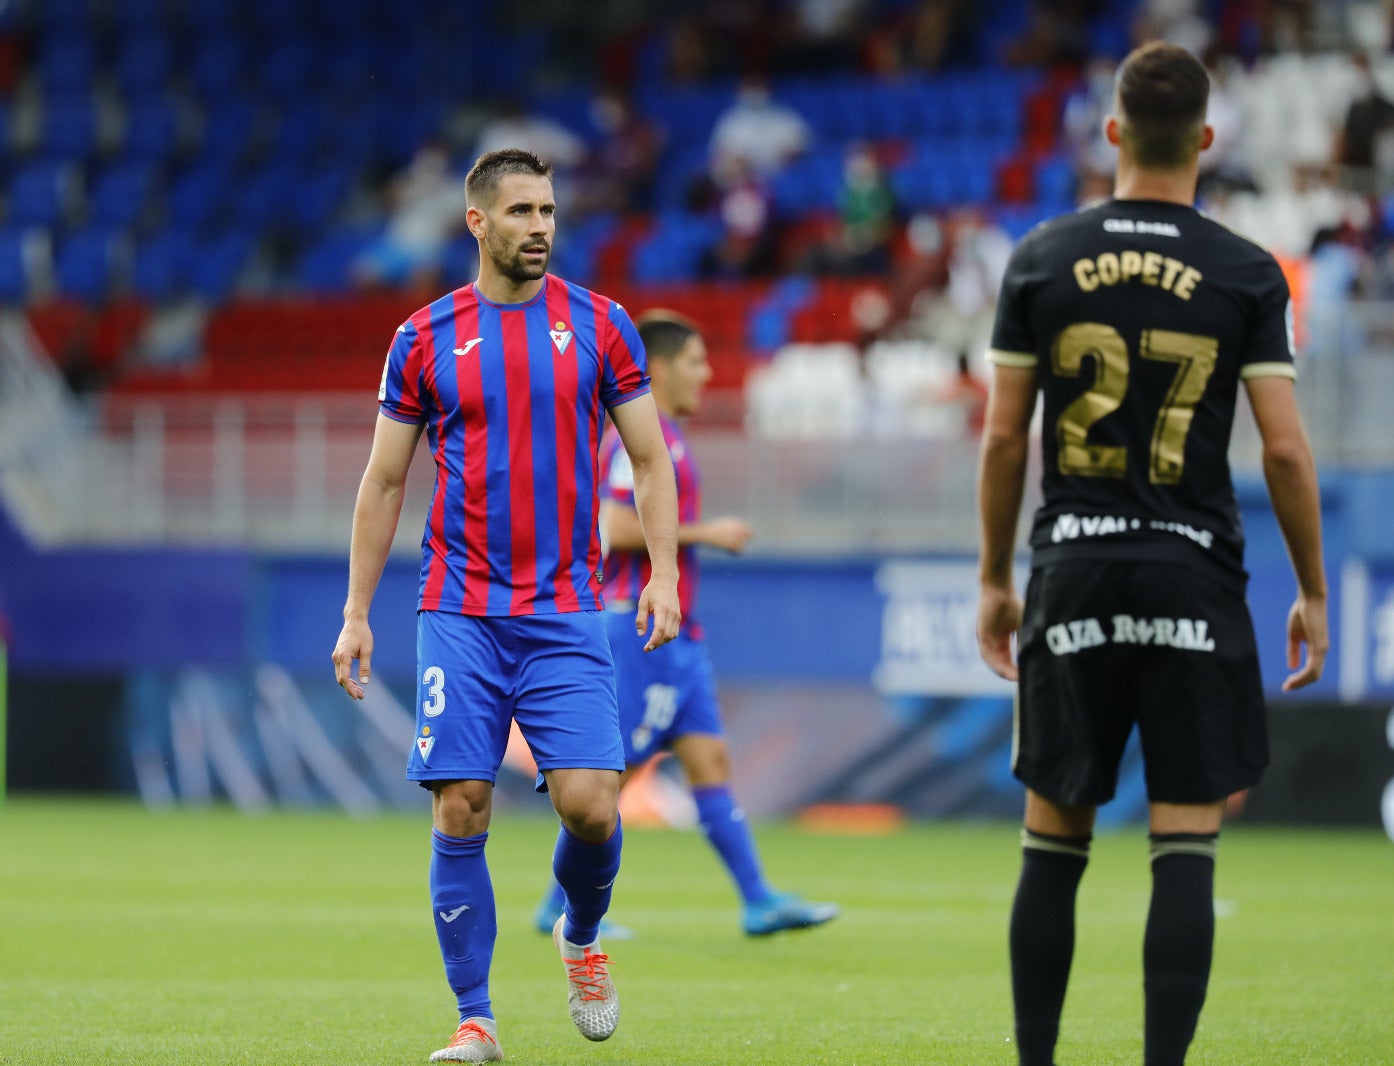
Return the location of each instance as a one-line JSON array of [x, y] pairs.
[[462, 808], [594, 821]]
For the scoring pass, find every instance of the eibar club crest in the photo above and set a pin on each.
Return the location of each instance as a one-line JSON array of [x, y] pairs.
[[561, 337], [424, 746]]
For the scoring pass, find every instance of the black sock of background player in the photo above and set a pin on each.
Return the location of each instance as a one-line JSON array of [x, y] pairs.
[[1043, 939], [1179, 942]]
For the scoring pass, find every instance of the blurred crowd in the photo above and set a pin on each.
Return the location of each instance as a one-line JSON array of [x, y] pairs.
[[1303, 160]]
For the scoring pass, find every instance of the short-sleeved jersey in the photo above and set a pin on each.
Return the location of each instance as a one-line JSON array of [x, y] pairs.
[[627, 572], [513, 398], [1141, 318]]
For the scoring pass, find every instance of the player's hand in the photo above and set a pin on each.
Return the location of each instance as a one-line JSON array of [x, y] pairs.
[[999, 617], [1306, 625], [659, 601], [355, 642], [729, 533]]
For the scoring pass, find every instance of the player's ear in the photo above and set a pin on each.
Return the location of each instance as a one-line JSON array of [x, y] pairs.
[[474, 219], [1111, 130], [1207, 137]]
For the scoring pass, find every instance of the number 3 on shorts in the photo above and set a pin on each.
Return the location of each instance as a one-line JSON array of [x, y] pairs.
[[434, 680]]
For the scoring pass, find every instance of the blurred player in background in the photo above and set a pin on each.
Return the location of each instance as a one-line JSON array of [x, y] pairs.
[[1138, 319], [508, 377], [668, 697]]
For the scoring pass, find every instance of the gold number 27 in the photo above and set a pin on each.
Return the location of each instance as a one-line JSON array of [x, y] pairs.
[[1195, 358]]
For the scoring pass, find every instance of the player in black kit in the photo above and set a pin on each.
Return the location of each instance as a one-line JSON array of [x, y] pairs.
[[1137, 320]]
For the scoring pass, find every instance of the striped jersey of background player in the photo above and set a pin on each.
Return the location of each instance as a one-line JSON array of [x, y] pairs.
[[1138, 319], [667, 697], [510, 378]]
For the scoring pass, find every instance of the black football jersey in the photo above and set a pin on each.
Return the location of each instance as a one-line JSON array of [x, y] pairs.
[[1141, 317]]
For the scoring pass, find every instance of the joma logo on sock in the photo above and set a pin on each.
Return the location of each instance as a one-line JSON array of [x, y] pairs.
[[1188, 634]]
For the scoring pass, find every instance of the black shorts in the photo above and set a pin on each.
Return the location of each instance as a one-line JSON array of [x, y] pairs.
[[1104, 645]]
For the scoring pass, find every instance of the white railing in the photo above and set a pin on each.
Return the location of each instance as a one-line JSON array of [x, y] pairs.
[[281, 472]]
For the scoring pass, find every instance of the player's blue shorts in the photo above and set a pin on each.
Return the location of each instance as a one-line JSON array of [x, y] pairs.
[[664, 694], [552, 672]]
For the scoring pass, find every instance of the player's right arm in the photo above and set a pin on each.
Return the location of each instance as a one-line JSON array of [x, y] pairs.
[[1290, 471], [1001, 485], [375, 515]]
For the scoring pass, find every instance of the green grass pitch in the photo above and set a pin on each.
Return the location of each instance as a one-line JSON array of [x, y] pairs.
[[208, 937]]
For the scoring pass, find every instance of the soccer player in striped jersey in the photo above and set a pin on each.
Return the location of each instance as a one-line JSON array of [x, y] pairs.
[[668, 698], [510, 379], [1138, 320]]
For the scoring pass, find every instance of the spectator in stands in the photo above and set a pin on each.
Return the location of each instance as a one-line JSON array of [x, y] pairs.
[[516, 127], [748, 240], [1057, 34], [1364, 149], [967, 391], [960, 318], [1222, 165], [1086, 107], [1178, 22], [756, 137], [623, 168], [427, 207], [859, 242]]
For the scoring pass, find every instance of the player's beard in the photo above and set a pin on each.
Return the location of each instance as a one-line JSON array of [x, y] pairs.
[[514, 267]]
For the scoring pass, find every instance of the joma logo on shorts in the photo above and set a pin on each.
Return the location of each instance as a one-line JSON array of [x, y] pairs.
[[1188, 634]]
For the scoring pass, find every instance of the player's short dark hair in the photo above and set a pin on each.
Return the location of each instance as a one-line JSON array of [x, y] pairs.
[[1162, 91], [664, 332], [483, 179]]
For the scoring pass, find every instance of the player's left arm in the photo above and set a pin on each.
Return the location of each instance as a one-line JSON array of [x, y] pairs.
[[656, 507], [619, 523], [1001, 485]]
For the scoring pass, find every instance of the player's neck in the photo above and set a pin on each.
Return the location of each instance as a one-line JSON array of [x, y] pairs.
[[1169, 186], [500, 289]]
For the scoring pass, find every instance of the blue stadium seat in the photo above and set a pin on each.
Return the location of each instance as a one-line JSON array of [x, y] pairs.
[[215, 66], [1055, 183], [198, 193], [264, 198], [139, 16], [143, 64], [66, 65], [42, 193], [120, 196], [673, 251], [60, 16], [227, 130], [317, 194], [326, 266], [69, 128], [152, 130], [287, 70], [89, 262], [217, 265], [302, 133], [161, 266]]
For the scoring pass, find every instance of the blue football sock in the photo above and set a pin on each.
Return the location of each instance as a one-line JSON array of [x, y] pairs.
[[462, 903], [726, 829], [586, 873]]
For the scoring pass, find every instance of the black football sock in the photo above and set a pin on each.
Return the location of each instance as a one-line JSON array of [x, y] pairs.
[[1043, 938], [1179, 942]]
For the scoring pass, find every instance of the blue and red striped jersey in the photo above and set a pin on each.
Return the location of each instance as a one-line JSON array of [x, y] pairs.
[[627, 572], [513, 398]]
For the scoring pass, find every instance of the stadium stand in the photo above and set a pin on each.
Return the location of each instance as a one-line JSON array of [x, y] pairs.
[[239, 157]]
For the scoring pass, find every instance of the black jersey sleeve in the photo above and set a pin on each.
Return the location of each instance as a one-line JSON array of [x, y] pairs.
[[1270, 349], [1013, 341]]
